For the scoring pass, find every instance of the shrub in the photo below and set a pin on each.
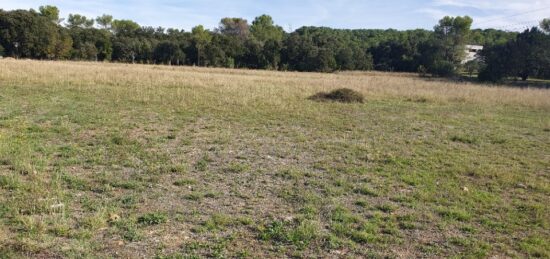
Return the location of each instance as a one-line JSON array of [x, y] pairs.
[[472, 67], [343, 95], [443, 69]]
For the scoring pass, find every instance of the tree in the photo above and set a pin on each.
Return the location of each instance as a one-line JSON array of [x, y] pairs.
[[472, 67], [50, 12], [124, 27], [452, 33], [545, 25], [125, 49], [527, 55], [363, 61], [271, 53], [77, 20], [216, 57], [105, 21], [169, 53], [264, 29], [345, 59], [234, 27], [201, 38], [64, 45], [84, 38], [324, 61], [28, 34]]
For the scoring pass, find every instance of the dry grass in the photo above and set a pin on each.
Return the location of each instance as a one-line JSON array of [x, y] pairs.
[[251, 85]]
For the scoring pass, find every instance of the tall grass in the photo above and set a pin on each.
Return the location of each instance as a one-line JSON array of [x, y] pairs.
[[182, 85]]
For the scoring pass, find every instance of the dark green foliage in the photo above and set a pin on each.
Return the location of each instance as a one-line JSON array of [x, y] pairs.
[[152, 219], [169, 53], [50, 12], [79, 21], [443, 68], [28, 34], [545, 25], [526, 56], [472, 67], [343, 95]]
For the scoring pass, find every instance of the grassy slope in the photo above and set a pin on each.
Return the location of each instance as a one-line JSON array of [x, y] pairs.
[[117, 160]]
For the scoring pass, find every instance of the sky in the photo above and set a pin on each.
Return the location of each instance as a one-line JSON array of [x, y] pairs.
[[293, 14]]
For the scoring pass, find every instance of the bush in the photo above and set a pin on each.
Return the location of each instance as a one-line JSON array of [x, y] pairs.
[[343, 95], [472, 67], [443, 69]]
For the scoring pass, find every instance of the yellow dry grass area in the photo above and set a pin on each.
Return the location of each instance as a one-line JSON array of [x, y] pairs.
[[252, 86]]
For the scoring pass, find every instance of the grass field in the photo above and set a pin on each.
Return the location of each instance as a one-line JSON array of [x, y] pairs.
[[112, 160]]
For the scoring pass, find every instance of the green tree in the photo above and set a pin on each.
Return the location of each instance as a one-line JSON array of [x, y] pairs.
[[105, 21], [452, 34], [324, 61], [237, 27], [50, 12], [545, 25], [526, 56], [272, 54], [125, 49], [345, 59], [28, 34], [64, 45], [85, 38], [77, 20], [169, 53], [124, 27], [216, 57], [263, 29], [201, 38]]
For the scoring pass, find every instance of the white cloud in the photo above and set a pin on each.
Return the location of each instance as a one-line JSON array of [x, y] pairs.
[[500, 14]]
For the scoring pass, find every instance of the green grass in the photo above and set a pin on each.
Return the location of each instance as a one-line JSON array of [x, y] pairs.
[[254, 172]]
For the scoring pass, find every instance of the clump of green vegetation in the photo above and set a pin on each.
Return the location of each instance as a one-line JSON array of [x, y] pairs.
[[218, 222], [184, 182], [202, 164], [300, 233], [343, 95], [154, 218], [454, 213], [365, 190]]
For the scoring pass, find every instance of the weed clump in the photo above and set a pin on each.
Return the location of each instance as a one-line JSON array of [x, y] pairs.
[[343, 95], [152, 219]]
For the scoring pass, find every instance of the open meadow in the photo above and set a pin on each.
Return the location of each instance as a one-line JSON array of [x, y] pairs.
[[114, 160]]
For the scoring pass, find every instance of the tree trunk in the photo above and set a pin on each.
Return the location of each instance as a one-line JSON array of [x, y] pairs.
[[524, 76]]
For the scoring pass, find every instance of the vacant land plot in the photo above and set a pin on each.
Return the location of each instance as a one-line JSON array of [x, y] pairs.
[[111, 160]]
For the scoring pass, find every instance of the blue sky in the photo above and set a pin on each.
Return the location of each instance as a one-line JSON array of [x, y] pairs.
[[292, 14]]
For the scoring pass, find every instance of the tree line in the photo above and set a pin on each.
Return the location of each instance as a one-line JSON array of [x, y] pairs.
[[42, 34]]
